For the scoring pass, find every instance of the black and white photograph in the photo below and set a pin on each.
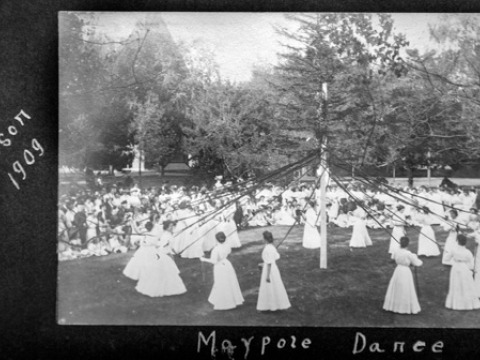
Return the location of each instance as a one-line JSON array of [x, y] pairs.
[[268, 169]]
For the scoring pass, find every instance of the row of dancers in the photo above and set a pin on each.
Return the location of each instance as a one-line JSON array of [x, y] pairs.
[[401, 297], [157, 275], [464, 286], [427, 240]]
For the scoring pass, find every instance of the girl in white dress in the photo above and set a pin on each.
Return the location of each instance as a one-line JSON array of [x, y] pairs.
[[474, 225], [399, 222], [334, 210], [157, 225], [360, 237], [427, 243], [226, 293], [401, 296], [476, 261], [145, 252], [230, 228], [311, 236], [168, 237], [461, 290], [451, 243], [272, 294], [159, 275]]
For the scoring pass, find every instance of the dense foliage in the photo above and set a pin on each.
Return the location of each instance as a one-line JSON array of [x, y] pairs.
[[387, 104]]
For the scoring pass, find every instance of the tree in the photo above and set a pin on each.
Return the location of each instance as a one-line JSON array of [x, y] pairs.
[[231, 132], [93, 121], [154, 71], [423, 127], [114, 142], [229, 128], [383, 108], [116, 94], [357, 61], [156, 134], [453, 73]]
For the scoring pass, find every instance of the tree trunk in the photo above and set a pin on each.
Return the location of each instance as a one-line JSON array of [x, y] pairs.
[[410, 176]]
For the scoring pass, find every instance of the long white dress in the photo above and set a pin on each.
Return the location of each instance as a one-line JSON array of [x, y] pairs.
[[450, 243], [401, 296], [360, 237], [311, 236], [333, 212], [461, 291], [476, 263], [190, 239], [226, 293], [157, 229], [167, 239], [230, 228], [427, 242], [145, 253], [271, 295], [159, 276], [397, 233]]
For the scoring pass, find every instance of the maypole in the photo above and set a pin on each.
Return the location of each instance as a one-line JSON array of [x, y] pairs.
[[323, 186]]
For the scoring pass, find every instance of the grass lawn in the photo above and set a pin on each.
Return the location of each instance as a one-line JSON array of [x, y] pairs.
[[349, 293]]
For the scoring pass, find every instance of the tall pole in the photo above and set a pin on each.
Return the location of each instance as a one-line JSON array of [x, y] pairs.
[[323, 187]]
